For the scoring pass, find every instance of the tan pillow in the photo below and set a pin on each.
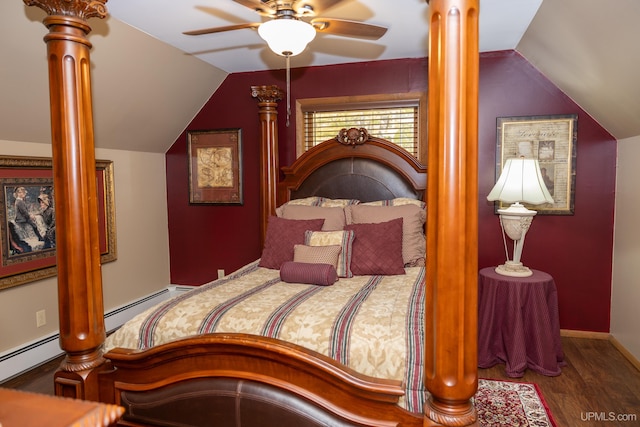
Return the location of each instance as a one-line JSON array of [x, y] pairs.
[[340, 203], [329, 238], [398, 202], [333, 217], [321, 202], [317, 254], [413, 219]]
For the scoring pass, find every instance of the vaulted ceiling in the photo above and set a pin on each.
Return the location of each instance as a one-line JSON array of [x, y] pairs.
[[149, 79]]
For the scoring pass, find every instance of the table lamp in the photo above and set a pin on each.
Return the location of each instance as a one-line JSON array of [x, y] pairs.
[[520, 181]]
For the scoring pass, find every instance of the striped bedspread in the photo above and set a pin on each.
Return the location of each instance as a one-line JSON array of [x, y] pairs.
[[373, 324]]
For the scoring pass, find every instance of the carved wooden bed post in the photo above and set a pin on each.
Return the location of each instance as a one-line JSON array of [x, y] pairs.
[[268, 97], [82, 329], [451, 373]]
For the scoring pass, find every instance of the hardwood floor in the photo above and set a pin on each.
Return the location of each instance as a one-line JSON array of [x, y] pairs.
[[37, 380], [598, 387]]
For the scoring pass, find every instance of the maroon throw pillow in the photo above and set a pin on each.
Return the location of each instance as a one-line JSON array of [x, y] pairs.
[[282, 235], [377, 248], [309, 273]]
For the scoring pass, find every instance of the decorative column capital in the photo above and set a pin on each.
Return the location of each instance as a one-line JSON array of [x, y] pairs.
[[266, 93], [83, 9]]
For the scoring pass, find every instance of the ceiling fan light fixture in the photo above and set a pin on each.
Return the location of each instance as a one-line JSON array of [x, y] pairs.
[[287, 36]]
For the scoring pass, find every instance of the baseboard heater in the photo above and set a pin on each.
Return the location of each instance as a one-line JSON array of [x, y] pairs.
[[16, 361]]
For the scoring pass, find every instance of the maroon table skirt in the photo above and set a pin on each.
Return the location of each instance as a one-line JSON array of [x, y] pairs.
[[518, 323]]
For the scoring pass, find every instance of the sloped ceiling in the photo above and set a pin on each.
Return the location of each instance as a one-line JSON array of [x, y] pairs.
[[149, 80], [590, 49], [144, 92]]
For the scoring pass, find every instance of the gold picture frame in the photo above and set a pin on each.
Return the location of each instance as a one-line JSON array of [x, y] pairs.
[[550, 139], [28, 244], [215, 167]]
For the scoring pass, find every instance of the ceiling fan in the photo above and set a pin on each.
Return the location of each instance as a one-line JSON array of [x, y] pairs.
[[293, 25], [299, 17]]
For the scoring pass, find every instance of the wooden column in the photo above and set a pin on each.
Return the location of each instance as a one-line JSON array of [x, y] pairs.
[[82, 329], [451, 373], [268, 97]]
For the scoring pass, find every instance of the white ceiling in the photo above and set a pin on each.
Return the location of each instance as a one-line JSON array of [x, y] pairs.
[[142, 101], [244, 50]]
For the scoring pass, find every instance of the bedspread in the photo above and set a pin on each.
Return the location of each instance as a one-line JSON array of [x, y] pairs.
[[373, 324]]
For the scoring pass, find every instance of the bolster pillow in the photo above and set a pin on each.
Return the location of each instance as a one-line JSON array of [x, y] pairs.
[[303, 272]]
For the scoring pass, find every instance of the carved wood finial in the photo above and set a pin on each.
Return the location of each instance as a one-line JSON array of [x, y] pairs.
[[267, 93], [83, 9], [353, 136]]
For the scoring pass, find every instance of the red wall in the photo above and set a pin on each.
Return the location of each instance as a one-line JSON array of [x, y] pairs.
[[576, 249]]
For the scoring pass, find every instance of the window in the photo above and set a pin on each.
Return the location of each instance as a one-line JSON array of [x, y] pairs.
[[399, 118]]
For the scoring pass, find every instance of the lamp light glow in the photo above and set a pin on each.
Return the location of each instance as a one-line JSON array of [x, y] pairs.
[[520, 181], [287, 36]]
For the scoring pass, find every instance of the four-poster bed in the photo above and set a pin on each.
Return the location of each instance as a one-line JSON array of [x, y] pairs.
[[283, 377]]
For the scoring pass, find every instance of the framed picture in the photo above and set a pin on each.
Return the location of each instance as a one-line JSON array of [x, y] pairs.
[[27, 218], [215, 167], [551, 140]]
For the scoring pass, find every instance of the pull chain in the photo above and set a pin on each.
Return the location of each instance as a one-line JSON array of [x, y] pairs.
[[287, 58]]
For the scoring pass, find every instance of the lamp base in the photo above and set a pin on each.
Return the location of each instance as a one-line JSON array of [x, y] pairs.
[[513, 269]]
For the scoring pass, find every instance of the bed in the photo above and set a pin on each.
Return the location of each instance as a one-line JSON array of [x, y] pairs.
[[369, 320], [243, 378]]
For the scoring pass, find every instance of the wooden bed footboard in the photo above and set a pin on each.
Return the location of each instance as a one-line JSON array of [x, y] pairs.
[[238, 380]]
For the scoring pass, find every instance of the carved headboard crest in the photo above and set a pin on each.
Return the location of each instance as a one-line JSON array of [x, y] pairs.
[[353, 136]]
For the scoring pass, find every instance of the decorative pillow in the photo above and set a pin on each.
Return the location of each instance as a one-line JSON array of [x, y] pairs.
[[399, 201], [413, 219], [377, 249], [329, 238], [313, 274], [322, 202], [337, 203], [282, 235], [333, 217], [317, 254]]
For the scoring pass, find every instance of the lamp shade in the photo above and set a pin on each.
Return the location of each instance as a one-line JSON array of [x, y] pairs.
[[521, 181], [287, 36]]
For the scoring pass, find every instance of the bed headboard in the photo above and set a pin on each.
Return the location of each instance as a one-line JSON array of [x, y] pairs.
[[354, 165]]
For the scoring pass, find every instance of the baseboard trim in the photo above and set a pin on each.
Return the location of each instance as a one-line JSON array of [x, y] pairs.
[[626, 353], [603, 336], [21, 359], [585, 334], [30, 355]]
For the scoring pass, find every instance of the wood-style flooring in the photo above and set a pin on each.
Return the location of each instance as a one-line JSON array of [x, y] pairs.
[[597, 387]]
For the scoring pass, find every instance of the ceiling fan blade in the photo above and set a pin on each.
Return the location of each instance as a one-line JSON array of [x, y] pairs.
[[344, 27], [221, 29], [316, 7], [258, 6]]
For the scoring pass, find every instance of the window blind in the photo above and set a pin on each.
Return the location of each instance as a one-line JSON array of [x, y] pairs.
[[396, 124]]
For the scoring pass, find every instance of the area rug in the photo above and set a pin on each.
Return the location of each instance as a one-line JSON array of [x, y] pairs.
[[513, 404]]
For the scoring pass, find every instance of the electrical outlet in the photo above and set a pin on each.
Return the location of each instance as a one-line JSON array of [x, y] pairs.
[[220, 273], [41, 318]]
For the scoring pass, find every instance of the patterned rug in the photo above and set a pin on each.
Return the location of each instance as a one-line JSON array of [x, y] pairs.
[[513, 404]]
